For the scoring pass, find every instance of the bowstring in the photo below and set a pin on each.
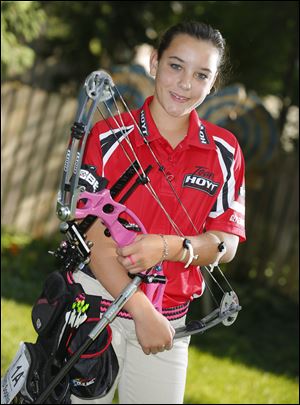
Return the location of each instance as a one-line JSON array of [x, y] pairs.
[[161, 168], [148, 185], [210, 270]]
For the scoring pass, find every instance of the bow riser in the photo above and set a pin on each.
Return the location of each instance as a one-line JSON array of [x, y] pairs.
[[108, 211]]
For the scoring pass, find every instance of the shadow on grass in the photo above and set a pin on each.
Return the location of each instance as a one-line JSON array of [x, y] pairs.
[[265, 334]]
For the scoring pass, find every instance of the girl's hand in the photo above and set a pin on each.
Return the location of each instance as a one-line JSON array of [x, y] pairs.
[[154, 331], [145, 252]]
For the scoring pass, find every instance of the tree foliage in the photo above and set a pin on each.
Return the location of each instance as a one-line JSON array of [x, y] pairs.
[[81, 36], [21, 23]]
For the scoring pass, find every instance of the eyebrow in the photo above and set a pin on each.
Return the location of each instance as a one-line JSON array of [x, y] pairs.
[[182, 61]]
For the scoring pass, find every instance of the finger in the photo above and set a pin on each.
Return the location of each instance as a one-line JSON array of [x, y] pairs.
[[158, 349], [139, 237], [146, 351], [122, 260], [127, 263], [131, 260], [135, 270], [122, 251]]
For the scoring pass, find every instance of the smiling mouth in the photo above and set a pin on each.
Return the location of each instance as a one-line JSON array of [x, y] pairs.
[[176, 97]]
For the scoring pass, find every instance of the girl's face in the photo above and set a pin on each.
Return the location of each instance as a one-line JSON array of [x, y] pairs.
[[184, 74]]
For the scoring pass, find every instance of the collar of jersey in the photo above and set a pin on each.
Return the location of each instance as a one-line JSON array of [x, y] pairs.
[[192, 137]]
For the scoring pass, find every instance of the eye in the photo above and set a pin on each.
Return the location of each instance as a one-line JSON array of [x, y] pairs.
[[175, 66], [201, 76]]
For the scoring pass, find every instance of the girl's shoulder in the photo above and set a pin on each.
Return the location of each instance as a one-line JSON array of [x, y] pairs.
[[220, 134]]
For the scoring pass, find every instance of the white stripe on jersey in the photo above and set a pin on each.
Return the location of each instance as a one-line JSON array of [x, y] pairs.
[[125, 132], [238, 207], [225, 144], [220, 209]]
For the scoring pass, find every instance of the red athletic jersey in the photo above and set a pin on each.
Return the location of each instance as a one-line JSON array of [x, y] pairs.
[[206, 169]]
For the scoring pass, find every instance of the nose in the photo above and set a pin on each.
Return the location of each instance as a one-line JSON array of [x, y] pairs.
[[185, 83]]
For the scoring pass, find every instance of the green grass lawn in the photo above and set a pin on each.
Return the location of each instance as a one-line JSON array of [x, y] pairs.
[[212, 378], [253, 361], [16, 327]]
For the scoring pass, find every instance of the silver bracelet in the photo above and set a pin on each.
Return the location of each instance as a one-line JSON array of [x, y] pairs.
[[165, 249]]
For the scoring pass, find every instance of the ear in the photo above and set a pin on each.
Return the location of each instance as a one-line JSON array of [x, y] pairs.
[[153, 63]]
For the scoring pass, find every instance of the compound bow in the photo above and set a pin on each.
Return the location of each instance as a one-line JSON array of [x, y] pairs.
[[99, 88], [74, 252]]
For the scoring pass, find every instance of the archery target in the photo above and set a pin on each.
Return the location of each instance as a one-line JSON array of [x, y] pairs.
[[246, 117], [133, 83]]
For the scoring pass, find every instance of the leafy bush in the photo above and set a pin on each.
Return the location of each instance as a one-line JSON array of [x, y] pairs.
[[25, 264]]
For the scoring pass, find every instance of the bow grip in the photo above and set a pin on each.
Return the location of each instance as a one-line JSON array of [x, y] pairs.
[[102, 205]]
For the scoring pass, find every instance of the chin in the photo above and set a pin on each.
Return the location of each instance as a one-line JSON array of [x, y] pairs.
[[178, 112]]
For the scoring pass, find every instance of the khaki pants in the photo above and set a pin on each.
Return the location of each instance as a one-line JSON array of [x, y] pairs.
[[142, 379]]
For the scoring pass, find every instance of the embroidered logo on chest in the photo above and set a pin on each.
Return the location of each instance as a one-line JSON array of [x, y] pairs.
[[201, 183]]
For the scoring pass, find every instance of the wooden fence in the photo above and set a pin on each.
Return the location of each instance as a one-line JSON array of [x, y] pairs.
[[35, 134]]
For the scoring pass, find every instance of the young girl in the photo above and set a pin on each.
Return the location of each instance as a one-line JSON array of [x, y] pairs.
[[200, 188]]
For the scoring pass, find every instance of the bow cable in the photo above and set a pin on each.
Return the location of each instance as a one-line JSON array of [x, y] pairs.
[[99, 87], [209, 269], [144, 179], [160, 166], [148, 185]]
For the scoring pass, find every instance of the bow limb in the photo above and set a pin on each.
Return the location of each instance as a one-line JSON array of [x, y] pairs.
[[95, 90], [225, 314]]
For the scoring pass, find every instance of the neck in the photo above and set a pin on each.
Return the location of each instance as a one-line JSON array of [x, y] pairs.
[[173, 129]]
